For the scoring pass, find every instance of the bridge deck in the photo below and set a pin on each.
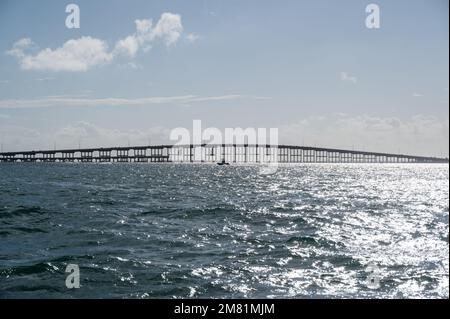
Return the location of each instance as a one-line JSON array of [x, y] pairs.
[[234, 153]]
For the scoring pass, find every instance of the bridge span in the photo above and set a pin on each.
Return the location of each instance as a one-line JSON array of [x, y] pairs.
[[210, 153]]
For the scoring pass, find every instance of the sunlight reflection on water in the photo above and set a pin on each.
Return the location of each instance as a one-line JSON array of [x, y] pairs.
[[307, 231]]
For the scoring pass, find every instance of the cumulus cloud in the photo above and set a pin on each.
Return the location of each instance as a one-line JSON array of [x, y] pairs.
[[417, 135], [143, 26], [79, 55], [168, 30], [15, 138], [345, 76], [19, 47], [91, 135], [74, 55], [83, 133], [128, 46]]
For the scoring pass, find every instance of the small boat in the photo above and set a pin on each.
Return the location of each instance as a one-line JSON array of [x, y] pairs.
[[223, 162]]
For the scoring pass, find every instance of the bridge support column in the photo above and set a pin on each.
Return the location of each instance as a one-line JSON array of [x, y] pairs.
[[140, 155], [48, 157], [29, 158], [86, 156], [122, 155], [68, 157], [104, 155]]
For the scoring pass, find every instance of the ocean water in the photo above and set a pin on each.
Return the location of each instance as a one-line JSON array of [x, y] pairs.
[[205, 231]]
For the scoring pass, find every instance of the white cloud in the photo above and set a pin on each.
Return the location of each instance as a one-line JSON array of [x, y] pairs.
[[347, 77], [215, 98], [74, 55], [61, 96], [85, 134], [44, 79], [143, 26], [417, 135], [146, 48], [417, 95], [128, 46], [19, 47], [168, 28], [76, 101], [91, 135], [130, 65], [78, 55], [16, 138], [4, 81], [192, 37]]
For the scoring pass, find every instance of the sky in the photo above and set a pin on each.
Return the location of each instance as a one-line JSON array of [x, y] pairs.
[[135, 70]]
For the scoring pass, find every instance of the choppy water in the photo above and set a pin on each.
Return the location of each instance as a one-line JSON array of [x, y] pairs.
[[164, 231]]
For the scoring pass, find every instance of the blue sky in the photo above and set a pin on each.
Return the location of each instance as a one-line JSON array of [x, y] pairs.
[[310, 68]]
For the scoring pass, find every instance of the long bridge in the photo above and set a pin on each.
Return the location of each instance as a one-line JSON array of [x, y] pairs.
[[210, 153]]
